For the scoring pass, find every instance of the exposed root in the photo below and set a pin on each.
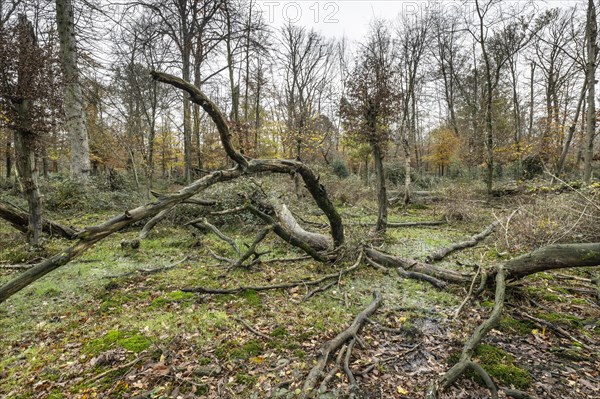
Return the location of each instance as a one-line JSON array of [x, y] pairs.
[[350, 333], [443, 252]]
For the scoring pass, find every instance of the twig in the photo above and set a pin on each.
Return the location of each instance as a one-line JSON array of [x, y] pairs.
[[107, 372], [252, 329], [276, 286], [459, 309], [319, 289]]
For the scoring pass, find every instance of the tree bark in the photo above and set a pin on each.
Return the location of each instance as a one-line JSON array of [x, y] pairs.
[[591, 31], [382, 201], [73, 101]]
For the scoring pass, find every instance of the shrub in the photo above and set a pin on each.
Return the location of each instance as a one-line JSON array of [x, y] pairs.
[[340, 169]]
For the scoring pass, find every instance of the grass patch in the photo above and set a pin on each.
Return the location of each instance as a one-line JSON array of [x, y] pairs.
[[128, 340]]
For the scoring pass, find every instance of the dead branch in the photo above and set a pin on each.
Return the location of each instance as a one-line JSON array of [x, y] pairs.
[[416, 266], [469, 293], [19, 219], [410, 275], [317, 290], [467, 353], [443, 252], [231, 211], [23, 266], [316, 372], [203, 223], [251, 251], [237, 290], [252, 329], [201, 202], [558, 330], [422, 277]]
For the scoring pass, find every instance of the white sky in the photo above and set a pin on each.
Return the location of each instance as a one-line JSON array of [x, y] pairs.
[[351, 18]]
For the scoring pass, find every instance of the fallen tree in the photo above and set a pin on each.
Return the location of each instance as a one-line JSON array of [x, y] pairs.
[[244, 166], [19, 219]]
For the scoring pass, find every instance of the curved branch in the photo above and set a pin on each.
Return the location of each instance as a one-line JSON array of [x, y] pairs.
[[198, 97]]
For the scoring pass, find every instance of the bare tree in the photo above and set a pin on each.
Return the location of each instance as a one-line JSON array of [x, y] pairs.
[[591, 33], [73, 102], [370, 103]]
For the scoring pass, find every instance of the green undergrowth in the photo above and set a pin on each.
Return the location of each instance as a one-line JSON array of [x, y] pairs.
[[101, 302], [128, 340], [499, 364]]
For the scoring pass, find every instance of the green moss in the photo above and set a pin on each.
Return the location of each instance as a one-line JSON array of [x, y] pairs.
[[511, 325], [56, 394], [499, 364], [245, 379], [510, 375], [130, 341], [560, 318], [231, 350], [113, 302], [279, 332], [300, 354], [252, 298], [174, 296]]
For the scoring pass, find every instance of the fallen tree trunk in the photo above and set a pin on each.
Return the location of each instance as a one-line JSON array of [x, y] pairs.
[[318, 241], [443, 252], [19, 219], [558, 256], [419, 267], [316, 372], [90, 236]]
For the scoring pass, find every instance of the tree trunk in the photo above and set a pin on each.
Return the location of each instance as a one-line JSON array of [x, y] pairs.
[[382, 201], [552, 257], [8, 157], [563, 156], [591, 34], [73, 101], [407, 171], [28, 179]]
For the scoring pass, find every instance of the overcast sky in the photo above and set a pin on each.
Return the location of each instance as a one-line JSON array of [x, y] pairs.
[[351, 18]]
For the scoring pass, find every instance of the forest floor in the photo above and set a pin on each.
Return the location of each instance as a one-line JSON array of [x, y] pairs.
[[105, 327]]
